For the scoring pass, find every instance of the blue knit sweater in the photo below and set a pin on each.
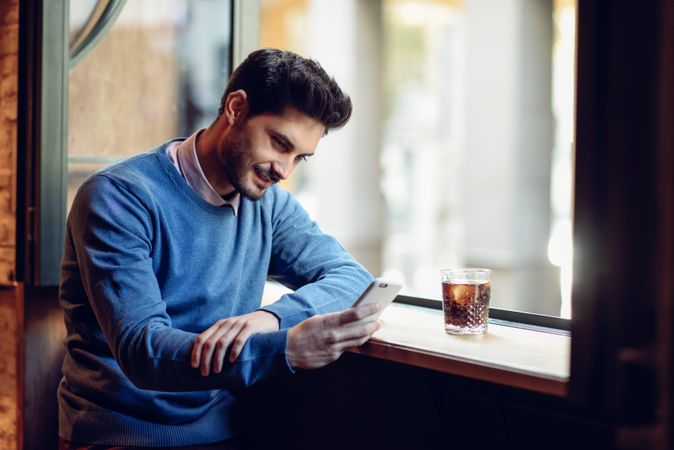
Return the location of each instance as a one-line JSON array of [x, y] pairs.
[[148, 264]]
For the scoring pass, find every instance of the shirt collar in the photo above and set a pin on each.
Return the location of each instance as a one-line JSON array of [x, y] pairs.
[[190, 168]]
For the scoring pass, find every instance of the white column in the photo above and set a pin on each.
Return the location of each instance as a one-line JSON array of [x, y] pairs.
[[345, 37], [508, 150]]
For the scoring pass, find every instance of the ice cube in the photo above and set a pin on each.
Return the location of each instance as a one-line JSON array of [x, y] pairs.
[[463, 293]]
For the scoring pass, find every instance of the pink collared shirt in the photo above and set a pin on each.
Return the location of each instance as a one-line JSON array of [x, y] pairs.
[[183, 155]]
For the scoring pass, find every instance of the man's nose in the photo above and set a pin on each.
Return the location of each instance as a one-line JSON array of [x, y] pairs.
[[282, 169]]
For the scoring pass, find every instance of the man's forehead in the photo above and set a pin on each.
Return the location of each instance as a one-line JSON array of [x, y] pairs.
[[293, 124]]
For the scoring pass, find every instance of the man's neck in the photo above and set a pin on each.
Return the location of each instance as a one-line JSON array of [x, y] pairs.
[[209, 160]]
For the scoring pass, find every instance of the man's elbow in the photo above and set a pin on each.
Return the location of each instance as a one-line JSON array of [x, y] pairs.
[[137, 373]]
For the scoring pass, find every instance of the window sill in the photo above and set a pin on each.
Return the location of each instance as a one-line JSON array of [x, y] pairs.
[[516, 357]]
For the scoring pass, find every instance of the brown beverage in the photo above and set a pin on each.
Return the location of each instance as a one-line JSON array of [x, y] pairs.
[[466, 306]]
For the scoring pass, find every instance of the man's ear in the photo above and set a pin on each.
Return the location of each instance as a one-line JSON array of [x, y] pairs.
[[236, 106]]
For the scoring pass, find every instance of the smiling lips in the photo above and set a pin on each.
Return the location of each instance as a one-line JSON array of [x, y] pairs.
[[266, 176]]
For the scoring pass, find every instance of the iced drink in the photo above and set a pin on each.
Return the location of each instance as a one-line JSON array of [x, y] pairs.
[[465, 300]]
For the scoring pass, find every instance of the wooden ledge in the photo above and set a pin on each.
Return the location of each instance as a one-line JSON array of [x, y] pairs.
[[516, 357]]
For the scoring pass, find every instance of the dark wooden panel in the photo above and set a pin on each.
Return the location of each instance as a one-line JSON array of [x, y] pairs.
[[666, 229], [43, 354], [616, 231], [364, 402]]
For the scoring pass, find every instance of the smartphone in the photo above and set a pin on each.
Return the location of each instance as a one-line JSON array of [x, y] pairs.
[[381, 291]]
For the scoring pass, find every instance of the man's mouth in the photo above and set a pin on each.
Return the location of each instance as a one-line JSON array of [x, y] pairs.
[[266, 176]]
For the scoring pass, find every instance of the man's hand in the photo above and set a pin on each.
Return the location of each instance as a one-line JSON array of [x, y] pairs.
[[320, 340], [211, 346]]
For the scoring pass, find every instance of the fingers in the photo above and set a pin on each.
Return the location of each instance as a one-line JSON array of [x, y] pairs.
[[351, 331], [221, 344], [330, 334], [311, 347], [212, 345], [354, 343], [340, 338], [239, 341], [355, 338], [350, 315], [200, 341]]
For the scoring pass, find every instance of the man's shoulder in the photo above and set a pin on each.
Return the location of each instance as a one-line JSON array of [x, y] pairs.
[[282, 205], [143, 165], [275, 197], [276, 193], [142, 173]]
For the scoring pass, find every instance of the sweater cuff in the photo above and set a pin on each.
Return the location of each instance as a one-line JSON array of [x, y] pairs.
[[285, 339], [288, 313], [275, 342]]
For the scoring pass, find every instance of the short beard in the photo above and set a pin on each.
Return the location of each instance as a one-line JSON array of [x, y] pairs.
[[234, 159]]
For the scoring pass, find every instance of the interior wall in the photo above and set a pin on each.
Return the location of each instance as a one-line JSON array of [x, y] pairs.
[[10, 399], [9, 64]]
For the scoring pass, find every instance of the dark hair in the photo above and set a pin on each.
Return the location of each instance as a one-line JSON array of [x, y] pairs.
[[275, 79]]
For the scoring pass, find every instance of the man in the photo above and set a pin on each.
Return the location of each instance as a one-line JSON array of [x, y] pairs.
[[165, 261]]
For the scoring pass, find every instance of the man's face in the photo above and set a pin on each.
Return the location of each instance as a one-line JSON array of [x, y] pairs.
[[265, 149]]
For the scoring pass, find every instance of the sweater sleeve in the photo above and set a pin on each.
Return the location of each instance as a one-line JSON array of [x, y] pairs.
[[111, 231], [325, 277]]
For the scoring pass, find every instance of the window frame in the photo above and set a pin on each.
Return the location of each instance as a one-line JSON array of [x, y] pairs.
[[602, 350], [43, 167], [42, 140], [46, 207], [47, 187]]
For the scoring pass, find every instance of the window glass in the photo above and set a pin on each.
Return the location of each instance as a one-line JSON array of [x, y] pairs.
[[459, 152], [158, 73]]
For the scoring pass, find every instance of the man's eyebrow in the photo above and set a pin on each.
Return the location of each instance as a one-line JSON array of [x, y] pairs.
[[285, 140]]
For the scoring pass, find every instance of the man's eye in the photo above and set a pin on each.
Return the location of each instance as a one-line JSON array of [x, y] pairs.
[[277, 143]]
